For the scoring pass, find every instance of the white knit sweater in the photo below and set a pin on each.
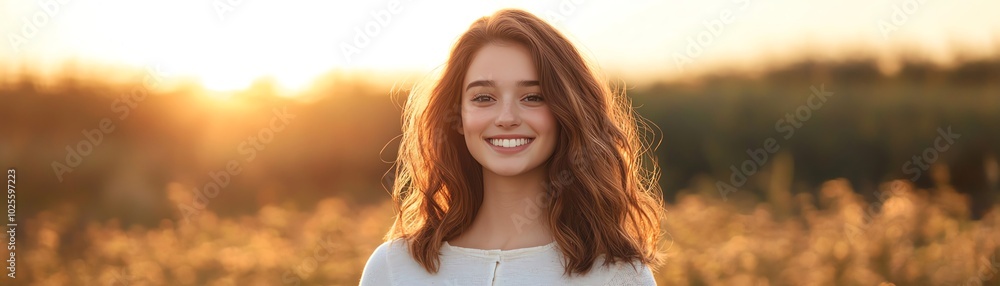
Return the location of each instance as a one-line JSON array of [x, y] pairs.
[[391, 264]]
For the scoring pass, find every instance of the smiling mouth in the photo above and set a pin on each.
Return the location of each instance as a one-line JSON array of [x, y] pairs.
[[510, 143]]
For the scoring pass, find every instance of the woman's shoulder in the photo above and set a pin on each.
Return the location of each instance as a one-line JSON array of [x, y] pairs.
[[382, 263], [390, 252], [391, 246], [629, 273]]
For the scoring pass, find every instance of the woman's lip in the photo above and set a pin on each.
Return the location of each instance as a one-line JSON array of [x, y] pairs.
[[508, 150], [509, 137]]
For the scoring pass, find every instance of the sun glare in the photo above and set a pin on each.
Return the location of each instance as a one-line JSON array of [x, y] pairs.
[[222, 82]]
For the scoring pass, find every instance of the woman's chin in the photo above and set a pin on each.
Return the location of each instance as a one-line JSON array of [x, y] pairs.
[[510, 169], [507, 172]]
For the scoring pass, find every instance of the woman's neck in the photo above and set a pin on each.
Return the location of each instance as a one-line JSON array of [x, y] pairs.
[[513, 215]]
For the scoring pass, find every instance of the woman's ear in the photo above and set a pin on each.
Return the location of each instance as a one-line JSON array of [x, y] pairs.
[[458, 127]]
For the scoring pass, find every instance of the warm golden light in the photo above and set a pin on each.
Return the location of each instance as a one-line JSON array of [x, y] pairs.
[[257, 142], [228, 44]]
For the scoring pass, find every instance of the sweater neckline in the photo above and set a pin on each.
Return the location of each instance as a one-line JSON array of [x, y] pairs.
[[509, 253]]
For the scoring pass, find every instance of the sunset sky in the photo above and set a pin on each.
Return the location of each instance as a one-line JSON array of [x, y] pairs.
[[229, 44]]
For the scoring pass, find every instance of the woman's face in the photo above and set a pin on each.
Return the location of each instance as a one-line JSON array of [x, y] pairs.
[[507, 124]]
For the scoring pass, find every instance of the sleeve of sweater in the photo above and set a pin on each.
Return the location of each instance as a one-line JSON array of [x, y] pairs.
[[376, 271], [636, 274]]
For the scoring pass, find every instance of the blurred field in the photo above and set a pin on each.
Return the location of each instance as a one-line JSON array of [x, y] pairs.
[[918, 237], [833, 207]]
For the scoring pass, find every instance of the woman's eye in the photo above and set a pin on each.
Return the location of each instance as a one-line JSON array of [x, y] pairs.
[[534, 97], [481, 98]]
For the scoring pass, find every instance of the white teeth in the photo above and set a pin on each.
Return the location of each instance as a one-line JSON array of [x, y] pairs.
[[509, 143]]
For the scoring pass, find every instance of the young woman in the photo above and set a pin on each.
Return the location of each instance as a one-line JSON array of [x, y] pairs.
[[520, 167]]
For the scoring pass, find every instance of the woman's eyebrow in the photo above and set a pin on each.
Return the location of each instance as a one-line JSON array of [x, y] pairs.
[[487, 83], [490, 83]]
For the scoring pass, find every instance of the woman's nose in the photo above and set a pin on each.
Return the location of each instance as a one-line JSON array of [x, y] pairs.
[[509, 114]]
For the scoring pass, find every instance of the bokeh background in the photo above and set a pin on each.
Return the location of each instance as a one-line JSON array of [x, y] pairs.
[[246, 142]]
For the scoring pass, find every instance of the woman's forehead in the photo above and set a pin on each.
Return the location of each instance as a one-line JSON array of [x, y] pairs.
[[502, 65]]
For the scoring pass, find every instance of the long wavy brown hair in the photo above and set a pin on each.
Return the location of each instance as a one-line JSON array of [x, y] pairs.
[[603, 197]]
